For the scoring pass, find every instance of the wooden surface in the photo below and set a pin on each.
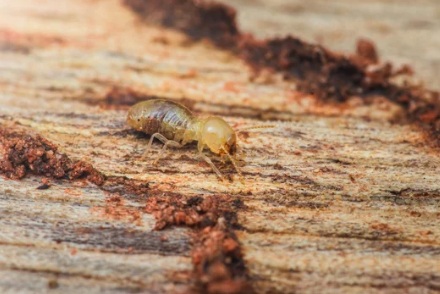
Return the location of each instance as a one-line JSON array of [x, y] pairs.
[[404, 31], [337, 198]]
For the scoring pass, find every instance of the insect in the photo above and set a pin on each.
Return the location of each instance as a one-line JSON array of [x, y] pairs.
[[175, 125]]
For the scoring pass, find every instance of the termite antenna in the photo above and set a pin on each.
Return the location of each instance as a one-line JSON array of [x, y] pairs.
[[254, 128], [234, 163]]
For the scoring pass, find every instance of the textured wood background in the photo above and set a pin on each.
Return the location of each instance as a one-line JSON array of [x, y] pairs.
[[405, 32], [338, 199]]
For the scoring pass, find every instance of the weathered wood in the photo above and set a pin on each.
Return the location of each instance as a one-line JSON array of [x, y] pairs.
[[336, 197], [405, 32]]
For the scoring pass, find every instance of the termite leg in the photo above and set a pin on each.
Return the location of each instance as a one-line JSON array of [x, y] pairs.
[[214, 168], [158, 136], [235, 165], [167, 143]]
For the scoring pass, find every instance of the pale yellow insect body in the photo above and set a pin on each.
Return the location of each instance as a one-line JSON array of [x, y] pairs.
[[175, 125]]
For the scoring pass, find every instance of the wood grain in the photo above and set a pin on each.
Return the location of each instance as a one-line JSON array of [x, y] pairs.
[[337, 198], [405, 32]]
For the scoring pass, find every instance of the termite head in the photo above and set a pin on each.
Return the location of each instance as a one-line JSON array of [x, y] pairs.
[[135, 116], [218, 136]]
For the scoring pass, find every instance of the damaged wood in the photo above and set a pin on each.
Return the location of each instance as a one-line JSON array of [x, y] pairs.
[[336, 196]]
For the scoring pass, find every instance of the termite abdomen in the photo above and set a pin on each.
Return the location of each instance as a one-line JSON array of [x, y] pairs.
[[161, 116]]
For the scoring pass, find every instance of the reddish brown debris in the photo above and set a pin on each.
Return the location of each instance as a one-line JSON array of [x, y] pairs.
[[177, 209], [317, 70], [367, 50], [115, 208], [216, 255], [218, 261], [45, 184], [198, 19], [25, 153], [81, 169], [126, 186], [22, 152]]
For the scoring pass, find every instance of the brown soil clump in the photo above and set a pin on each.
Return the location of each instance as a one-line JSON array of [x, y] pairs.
[[216, 255], [24, 153], [197, 19], [367, 50], [127, 187]]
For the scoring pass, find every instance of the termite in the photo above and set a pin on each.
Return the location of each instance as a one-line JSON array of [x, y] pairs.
[[175, 125]]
